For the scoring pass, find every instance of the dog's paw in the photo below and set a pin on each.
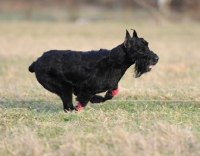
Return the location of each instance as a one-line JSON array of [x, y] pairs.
[[69, 109]]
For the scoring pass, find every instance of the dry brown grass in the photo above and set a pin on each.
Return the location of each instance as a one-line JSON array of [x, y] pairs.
[[31, 118], [102, 137]]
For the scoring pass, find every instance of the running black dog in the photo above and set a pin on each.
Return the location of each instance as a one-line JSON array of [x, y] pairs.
[[86, 74]]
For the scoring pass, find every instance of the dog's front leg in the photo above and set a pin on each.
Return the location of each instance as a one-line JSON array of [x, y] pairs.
[[97, 99], [111, 93]]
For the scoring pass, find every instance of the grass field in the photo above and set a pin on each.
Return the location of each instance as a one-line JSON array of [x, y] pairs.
[[156, 114]]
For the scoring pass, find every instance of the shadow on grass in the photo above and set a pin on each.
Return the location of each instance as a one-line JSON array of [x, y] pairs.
[[131, 107], [33, 105], [138, 106]]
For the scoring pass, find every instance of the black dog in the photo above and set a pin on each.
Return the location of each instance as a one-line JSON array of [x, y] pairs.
[[86, 74]]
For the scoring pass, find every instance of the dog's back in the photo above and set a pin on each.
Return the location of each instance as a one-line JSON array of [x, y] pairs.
[[69, 65]]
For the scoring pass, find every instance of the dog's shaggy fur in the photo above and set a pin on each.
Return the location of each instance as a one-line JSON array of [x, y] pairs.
[[86, 74]]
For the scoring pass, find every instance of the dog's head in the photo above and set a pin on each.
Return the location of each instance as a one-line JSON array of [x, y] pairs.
[[138, 51]]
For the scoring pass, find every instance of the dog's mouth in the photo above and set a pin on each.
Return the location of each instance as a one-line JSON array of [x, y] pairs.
[[143, 66], [151, 66]]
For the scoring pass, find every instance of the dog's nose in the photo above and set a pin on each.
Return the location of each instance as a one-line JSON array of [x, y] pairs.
[[156, 58]]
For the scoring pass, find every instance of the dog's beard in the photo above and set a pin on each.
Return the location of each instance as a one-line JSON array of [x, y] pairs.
[[141, 67]]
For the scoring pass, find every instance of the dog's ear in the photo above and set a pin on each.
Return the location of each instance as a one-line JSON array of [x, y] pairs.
[[127, 40], [135, 34]]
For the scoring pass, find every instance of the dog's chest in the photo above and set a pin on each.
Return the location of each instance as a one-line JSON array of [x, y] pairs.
[[107, 79]]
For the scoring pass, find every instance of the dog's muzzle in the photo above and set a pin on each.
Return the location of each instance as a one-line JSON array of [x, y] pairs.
[[156, 58], [153, 61]]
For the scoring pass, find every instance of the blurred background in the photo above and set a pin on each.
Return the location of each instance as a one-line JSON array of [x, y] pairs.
[[98, 10]]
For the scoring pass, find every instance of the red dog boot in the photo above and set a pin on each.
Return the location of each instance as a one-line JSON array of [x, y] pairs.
[[79, 107], [115, 92]]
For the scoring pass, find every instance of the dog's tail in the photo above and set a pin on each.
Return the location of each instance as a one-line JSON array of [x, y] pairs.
[[32, 67]]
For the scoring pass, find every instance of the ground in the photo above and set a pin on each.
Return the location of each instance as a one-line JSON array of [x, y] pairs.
[[156, 114]]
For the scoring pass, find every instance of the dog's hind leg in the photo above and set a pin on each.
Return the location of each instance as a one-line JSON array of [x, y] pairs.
[[66, 97], [62, 89]]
